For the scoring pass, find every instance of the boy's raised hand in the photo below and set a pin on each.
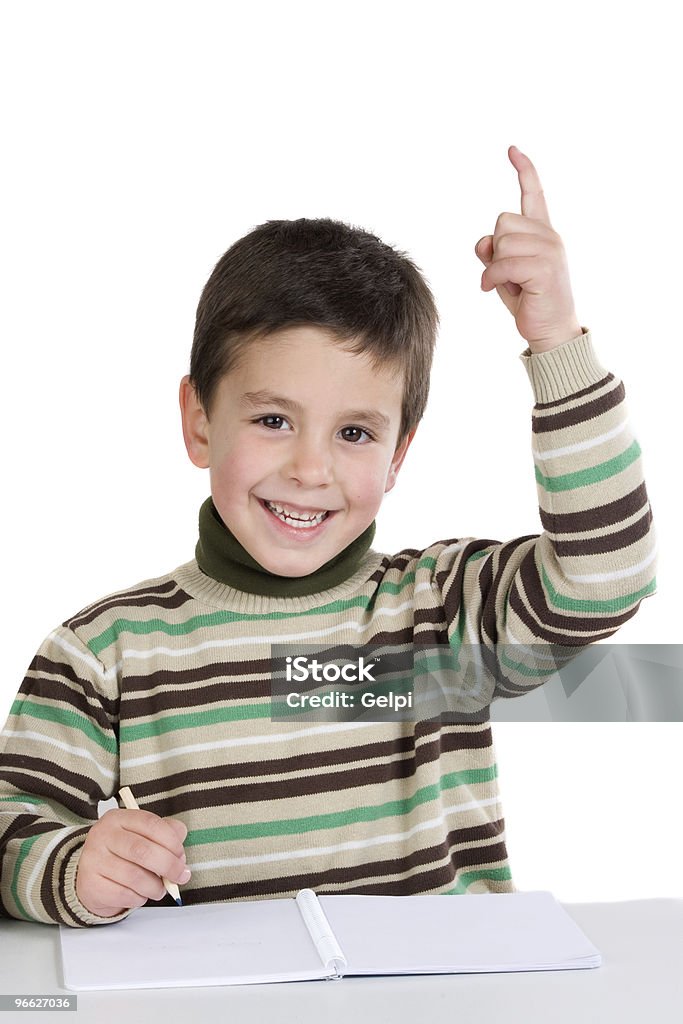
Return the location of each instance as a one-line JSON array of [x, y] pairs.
[[125, 855], [526, 264]]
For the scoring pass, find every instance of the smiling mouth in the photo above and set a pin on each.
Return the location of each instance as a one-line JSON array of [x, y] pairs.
[[300, 519]]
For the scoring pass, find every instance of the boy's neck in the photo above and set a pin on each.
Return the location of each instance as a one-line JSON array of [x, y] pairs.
[[220, 555]]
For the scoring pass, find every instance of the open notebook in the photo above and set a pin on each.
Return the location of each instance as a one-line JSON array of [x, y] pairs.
[[314, 937]]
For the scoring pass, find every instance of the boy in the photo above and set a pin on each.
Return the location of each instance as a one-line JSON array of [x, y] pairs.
[[309, 375]]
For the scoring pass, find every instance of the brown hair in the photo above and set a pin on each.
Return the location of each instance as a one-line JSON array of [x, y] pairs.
[[321, 272]]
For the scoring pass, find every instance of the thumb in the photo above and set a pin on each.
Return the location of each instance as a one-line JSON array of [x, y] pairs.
[[484, 249]]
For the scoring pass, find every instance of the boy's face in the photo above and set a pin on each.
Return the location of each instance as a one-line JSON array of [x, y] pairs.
[[301, 447]]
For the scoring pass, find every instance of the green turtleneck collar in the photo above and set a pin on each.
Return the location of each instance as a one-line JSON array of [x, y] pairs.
[[220, 555]]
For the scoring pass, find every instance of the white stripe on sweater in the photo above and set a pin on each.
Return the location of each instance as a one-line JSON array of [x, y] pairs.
[[243, 641], [27, 734], [620, 574], [580, 446], [317, 851]]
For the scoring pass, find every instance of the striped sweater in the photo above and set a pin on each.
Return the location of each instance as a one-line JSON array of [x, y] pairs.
[[164, 687]]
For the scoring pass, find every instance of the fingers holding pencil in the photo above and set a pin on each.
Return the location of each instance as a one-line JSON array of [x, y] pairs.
[[125, 859], [171, 887]]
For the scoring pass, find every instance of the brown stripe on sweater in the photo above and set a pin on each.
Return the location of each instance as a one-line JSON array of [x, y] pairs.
[[288, 787], [580, 413], [557, 627], [607, 541], [50, 789], [24, 826], [596, 518], [414, 885], [41, 663], [103, 710], [180, 695], [343, 879], [535, 593], [31, 765], [172, 603], [122, 598], [229, 675], [431, 637], [450, 582], [379, 573], [433, 616], [486, 591], [541, 633], [576, 394], [47, 889], [457, 861], [492, 595], [388, 563], [424, 753]]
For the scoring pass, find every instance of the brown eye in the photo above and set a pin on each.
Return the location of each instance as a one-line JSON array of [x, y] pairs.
[[354, 434], [275, 422]]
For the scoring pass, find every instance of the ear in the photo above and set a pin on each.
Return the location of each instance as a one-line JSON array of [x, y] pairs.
[[194, 424], [397, 460]]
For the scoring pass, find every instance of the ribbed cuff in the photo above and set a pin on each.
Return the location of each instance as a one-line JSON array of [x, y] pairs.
[[564, 370]]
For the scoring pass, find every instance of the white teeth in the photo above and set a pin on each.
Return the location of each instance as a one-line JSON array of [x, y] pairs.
[[299, 520]]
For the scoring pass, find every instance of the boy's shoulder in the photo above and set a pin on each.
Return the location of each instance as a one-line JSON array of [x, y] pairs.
[[152, 595], [143, 592]]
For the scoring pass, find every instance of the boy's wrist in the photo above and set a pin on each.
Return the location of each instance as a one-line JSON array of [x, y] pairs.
[[563, 334], [565, 369]]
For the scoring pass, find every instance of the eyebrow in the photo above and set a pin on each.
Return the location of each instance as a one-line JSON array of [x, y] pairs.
[[373, 417]]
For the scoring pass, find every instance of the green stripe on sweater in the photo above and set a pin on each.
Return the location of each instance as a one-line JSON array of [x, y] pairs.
[[194, 720], [425, 669], [616, 604], [468, 878], [340, 819], [591, 475], [14, 887], [111, 634], [65, 719]]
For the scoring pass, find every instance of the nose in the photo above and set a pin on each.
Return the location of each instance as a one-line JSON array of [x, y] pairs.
[[310, 462]]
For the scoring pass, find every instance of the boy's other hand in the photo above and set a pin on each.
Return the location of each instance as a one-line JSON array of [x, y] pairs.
[[525, 262], [124, 857]]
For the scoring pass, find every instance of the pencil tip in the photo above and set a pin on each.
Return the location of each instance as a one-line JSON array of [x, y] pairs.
[[179, 902]]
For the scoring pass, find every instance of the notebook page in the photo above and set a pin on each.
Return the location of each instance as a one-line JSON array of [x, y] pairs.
[[468, 933], [208, 944]]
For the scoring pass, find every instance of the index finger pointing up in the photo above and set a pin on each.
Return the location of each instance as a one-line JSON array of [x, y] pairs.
[[533, 200]]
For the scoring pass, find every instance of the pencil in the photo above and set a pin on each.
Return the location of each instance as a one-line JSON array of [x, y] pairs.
[[131, 803]]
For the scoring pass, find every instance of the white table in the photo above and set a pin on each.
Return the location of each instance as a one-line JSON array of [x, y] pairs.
[[640, 982]]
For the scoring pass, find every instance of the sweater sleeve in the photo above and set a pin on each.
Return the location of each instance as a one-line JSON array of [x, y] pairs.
[[58, 759], [531, 604]]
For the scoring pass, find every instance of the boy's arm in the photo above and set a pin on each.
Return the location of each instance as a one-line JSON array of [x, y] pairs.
[[588, 571], [595, 561], [58, 758]]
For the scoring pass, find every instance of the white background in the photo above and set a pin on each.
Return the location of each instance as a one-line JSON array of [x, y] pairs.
[[140, 139]]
